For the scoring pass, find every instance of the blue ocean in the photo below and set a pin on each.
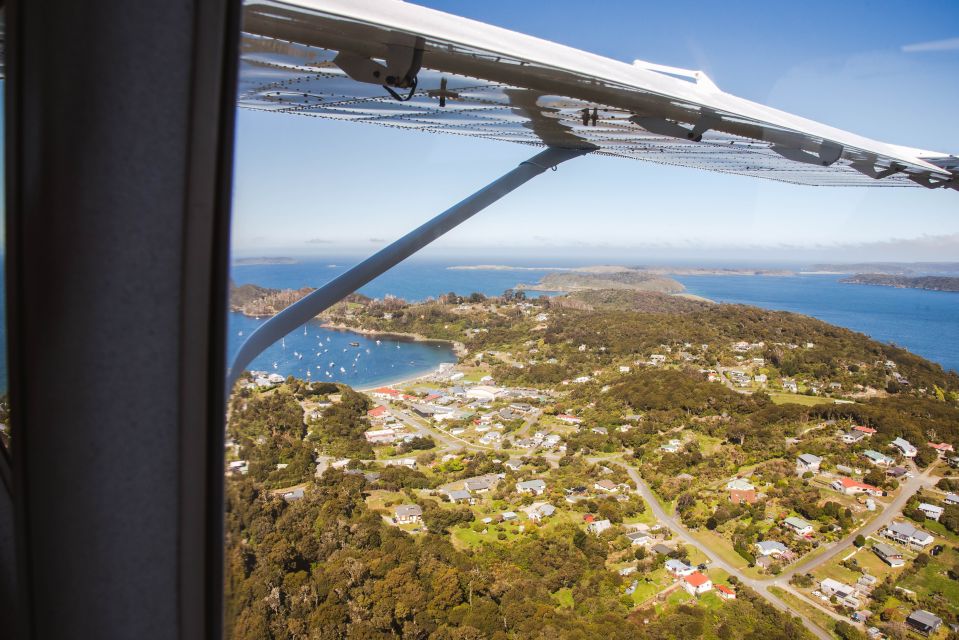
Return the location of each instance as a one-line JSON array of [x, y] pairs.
[[925, 322]]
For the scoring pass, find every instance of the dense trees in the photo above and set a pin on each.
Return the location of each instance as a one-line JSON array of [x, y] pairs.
[[326, 567]]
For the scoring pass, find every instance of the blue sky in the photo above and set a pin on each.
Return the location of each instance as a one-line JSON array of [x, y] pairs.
[[306, 186]]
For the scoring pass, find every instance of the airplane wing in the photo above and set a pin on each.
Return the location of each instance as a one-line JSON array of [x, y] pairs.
[[399, 65]]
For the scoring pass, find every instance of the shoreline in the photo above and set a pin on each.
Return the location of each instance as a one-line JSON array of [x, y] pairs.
[[459, 349], [395, 383]]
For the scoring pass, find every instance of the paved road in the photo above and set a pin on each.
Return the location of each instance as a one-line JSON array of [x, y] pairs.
[[760, 586], [756, 585], [906, 491]]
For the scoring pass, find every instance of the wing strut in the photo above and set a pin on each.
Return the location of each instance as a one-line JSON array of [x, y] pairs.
[[335, 290]]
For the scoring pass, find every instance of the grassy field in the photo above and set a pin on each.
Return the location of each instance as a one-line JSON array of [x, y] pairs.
[[871, 563], [938, 529], [818, 617], [721, 547], [836, 571], [933, 580], [646, 517], [795, 398], [650, 584], [377, 500]]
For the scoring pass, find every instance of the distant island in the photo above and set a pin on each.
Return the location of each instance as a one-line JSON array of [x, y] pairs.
[[249, 261], [654, 270], [588, 280], [929, 283], [503, 267], [887, 268], [715, 271]]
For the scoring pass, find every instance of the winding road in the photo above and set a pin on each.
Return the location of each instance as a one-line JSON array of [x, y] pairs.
[[760, 586]]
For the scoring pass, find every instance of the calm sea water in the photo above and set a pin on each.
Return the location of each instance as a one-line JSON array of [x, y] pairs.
[[315, 353], [328, 355], [925, 322]]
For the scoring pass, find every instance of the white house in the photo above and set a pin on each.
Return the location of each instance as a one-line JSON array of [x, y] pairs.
[[851, 487], [672, 446], [771, 548], [536, 487], [696, 583], [408, 513], [598, 526], [539, 510], [484, 392], [808, 462], [931, 511], [832, 587], [889, 554], [678, 568], [798, 525], [638, 538], [905, 448], [607, 486], [905, 533], [852, 437], [878, 459], [460, 495], [380, 436]]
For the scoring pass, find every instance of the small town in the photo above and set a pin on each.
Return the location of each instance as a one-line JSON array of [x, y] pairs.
[[828, 518]]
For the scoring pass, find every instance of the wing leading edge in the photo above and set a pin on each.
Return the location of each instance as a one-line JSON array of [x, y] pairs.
[[399, 65]]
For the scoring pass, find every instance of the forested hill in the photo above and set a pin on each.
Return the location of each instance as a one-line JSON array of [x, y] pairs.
[[929, 283], [790, 344]]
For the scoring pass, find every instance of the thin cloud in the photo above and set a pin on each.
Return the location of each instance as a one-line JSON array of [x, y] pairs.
[[950, 44], [319, 241]]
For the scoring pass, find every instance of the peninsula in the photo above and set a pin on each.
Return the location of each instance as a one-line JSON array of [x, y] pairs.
[[591, 280], [929, 283]]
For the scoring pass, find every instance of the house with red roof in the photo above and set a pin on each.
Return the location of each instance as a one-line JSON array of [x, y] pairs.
[[378, 413], [851, 487], [942, 448], [862, 429], [725, 592], [386, 393], [697, 583]]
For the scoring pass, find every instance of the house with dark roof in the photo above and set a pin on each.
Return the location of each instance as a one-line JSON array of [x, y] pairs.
[[408, 513], [905, 533], [808, 462], [889, 554], [771, 548], [924, 622], [536, 487]]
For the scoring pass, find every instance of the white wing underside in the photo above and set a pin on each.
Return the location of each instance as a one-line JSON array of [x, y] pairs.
[[502, 85]]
